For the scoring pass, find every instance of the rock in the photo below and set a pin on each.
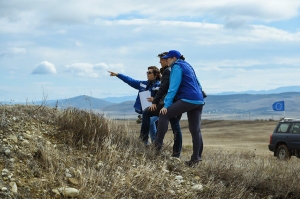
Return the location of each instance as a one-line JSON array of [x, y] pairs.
[[179, 179], [14, 187], [197, 187], [55, 191], [25, 142], [27, 136], [66, 191], [13, 138], [197, 178], [5, 172], [7, 152], [4, 189], [72, 170], [99, 165], [73, 181]]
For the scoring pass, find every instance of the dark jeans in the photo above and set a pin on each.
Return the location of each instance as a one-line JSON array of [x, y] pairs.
[[144, 134], [194, 113], [174, 121]]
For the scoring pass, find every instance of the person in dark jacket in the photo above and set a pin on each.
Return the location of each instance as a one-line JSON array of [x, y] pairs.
[[187, 90], [152, 84], [157, 104]]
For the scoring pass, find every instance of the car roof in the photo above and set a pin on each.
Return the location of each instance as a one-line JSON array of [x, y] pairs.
[[289, 120]]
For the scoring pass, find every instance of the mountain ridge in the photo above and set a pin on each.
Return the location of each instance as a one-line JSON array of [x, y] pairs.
[[272, 91]]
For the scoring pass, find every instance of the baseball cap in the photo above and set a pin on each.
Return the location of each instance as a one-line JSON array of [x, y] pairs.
[[172, 53]]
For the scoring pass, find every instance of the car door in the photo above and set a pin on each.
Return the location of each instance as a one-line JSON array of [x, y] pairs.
[[282, 134], [294, 136]]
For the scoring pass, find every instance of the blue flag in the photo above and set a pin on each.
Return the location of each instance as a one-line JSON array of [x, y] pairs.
[[278, 106]]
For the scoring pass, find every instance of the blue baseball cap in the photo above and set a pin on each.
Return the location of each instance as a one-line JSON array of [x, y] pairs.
[[172, 53]]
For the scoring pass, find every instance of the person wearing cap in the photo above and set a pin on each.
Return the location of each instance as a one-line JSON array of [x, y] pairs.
[[184, 95], [152, 84], [157, 104]]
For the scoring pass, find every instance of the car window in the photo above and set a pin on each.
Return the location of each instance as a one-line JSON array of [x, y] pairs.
[[283, 127], [295, 128]]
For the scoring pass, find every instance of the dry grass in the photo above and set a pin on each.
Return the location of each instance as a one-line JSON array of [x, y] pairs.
[[108, 160]]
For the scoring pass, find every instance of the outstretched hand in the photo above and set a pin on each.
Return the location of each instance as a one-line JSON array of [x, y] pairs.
[[113, 73]]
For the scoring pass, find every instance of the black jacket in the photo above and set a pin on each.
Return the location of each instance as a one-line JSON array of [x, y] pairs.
[[164, 85]]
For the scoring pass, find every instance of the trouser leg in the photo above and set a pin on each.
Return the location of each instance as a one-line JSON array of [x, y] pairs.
[[175, 109], [152, 130], [145, 126], [194, 119], [175, 124]]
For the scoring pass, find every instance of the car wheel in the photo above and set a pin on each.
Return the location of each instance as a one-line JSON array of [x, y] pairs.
[[283, 152]]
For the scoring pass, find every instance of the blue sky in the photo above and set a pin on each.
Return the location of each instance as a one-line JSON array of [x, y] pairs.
[[61, 49]]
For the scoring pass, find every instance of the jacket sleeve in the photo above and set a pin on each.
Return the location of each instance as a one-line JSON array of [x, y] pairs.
[[164, 86], [131, 82], [175, 80]]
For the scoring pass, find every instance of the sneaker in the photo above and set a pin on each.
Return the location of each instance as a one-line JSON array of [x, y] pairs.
[[192, 163]]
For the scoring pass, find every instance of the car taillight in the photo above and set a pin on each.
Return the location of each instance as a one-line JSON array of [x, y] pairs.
[[271, 139]]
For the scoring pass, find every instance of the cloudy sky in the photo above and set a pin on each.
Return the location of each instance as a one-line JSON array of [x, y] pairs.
[[60, 49]]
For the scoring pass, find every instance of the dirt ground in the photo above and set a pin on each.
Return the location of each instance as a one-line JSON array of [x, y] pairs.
[[225, 134]]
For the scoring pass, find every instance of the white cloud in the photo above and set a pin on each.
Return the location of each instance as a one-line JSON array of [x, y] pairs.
[[227, 12], [93, 70], [44, 67], [13, 52]]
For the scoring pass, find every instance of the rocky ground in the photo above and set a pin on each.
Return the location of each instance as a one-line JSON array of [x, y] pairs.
[[22, 132], [27, 134]]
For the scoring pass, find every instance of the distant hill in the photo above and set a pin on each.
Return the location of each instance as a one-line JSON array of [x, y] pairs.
[[284, 89], [120, 99], [123, 107], [273, 91], [239, 104], [260, 103], [230, 104], [81, 102]]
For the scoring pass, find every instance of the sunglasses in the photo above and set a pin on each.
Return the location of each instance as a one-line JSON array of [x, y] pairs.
[[149, 72]]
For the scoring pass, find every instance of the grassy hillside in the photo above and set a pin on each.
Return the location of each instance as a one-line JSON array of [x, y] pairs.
[[47, 153]]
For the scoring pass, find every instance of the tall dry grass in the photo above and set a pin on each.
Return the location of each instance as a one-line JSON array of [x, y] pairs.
[[109, 161]]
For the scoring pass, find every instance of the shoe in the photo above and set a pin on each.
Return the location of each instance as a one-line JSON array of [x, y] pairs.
[[175, 155], [156, 148], [192, 163]]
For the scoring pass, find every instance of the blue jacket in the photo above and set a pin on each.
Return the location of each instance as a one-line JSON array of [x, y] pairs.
[[152, 86], [184, 85], [189, 87]]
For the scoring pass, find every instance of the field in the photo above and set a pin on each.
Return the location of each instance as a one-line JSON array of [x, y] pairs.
[[226, 135]]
